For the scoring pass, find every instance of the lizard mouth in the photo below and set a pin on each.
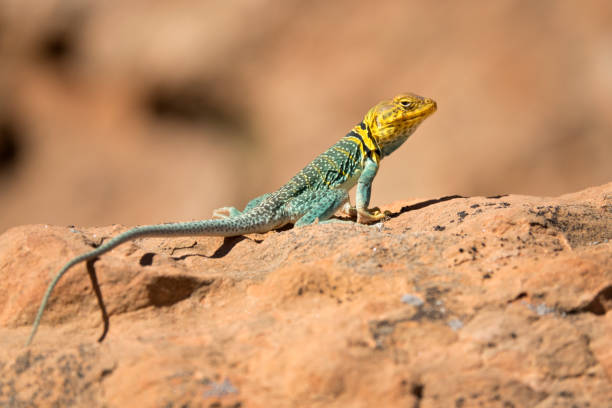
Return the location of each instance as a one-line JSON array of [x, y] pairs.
[[429, 107], [420, 114], [434, 105]]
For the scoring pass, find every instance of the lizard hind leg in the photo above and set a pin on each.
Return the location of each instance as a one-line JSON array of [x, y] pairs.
[[226, 212], [323, 207], [231, 212]]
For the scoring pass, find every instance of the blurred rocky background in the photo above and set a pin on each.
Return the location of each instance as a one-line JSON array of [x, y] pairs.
[[139, 112]]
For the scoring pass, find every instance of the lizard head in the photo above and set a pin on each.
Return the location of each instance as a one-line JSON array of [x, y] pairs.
[[391, 122]]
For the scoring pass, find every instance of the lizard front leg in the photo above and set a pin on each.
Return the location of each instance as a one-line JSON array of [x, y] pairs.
[[362, 196]]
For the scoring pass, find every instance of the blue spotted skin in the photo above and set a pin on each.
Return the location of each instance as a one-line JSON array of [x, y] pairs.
[[313, 195]]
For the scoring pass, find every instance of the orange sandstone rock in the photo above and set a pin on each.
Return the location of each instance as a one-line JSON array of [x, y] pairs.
[[451, 302]]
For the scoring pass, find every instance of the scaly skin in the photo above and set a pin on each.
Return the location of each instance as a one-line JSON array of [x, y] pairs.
[[312, 195]]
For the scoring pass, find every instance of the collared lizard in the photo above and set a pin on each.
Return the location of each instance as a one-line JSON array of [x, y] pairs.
[[312, 195]]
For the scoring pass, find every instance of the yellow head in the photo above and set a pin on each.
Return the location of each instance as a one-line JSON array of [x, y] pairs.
[[392, 122]]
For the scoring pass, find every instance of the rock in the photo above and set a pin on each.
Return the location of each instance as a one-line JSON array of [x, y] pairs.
[[499, 301]]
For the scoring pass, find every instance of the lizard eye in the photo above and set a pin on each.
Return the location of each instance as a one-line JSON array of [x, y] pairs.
[[405, 103]]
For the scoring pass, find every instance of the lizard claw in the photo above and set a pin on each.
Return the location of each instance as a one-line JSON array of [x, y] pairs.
[[220, 213], [368, 216]]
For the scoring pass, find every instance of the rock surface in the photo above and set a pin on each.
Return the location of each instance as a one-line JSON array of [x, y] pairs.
[[455, 302]]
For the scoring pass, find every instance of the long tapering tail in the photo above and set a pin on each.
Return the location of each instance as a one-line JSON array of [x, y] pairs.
[[225, 227]]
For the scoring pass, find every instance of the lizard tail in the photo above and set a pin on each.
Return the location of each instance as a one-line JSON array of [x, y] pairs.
[[225, 227]]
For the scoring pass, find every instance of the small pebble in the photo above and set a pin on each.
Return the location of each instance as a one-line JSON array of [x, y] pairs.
[[412, 300], [455, 324]]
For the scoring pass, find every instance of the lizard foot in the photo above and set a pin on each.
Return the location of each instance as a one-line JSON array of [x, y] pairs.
[[368, 216], [348, 210], [226, 212]]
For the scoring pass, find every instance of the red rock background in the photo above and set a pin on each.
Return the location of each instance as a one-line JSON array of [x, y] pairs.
[[140, 112]]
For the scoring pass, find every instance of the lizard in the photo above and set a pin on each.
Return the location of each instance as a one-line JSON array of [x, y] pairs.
[[313, 195]]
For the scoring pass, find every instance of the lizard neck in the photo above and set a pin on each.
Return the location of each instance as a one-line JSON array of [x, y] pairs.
[[393, 144], [368, 145]]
